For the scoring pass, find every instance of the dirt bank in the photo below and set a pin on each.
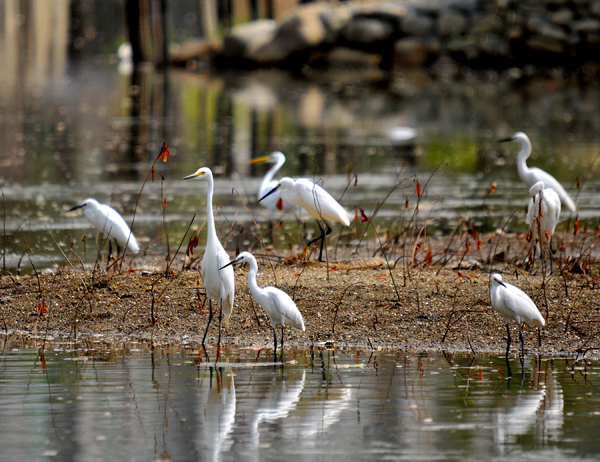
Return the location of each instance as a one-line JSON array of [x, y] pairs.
[[424, 308]]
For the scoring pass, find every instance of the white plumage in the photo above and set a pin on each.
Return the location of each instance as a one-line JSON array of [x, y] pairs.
[[512, 303], [546, 200], [532, 175], [272, 203], [108, 221], [277, 304], [220, 286], [315, 200]]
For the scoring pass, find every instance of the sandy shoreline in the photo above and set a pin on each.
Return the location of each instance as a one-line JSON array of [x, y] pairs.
[[428, 309]]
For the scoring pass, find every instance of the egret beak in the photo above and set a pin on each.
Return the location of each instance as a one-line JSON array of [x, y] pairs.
[[189, 177], [501, 283], [230, 263], [76, 207], [512, 138], [270, 192], [258, 160]]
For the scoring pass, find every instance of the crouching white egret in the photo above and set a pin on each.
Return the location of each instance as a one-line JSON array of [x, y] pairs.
[[543, 213], [108, 221], [315, 200], [532, 175], [274, 201], [512, 303], [278, 305], [220, 286]]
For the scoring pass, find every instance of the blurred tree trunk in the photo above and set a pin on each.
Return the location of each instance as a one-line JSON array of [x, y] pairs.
[[146, 24]]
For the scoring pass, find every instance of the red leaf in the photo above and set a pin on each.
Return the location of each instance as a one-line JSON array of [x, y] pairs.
[[428, 257], [576, 227], [41, 309], [280, 204], [165, 202], [192, 244], [467, 245], [355, 214], [578, 185], [355, 180], [418, 189], [363, 217], [382, 277], [153, 172], [164, 152], [406, 203], [478, 244]]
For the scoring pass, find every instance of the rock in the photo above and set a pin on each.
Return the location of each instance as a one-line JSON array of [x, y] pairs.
[[411, 51], [494, 45], [248, 36], [539, 43], [367, 31], [417, 24], [451, 23], [562, 17], [193, 49], [587, 26], [595, 8], [392, 12], [342, 56]]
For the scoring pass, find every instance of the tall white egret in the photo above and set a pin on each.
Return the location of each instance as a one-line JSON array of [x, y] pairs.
[[542, 214], [512, 303], [108, 221], [315, 200], [532, 175], [219, 285], [277, 304], [277, 158]]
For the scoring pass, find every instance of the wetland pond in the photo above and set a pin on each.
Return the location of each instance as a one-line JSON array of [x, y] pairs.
[[120, 400]]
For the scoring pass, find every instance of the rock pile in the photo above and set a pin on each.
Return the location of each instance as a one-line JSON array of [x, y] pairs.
[[479, 33]]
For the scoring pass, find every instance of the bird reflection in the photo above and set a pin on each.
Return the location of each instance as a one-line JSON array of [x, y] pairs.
[[540, 407], [218, 415], [283, 397]]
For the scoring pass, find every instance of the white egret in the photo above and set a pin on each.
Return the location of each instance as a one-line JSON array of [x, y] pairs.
[[219, 285], [532, 175], [277, 158], [315, 200], [277, 304], [512, 303], [542, 214], [108, 221]]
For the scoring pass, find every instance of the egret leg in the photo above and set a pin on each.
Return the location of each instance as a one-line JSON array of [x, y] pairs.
[[282, 341], [109, 253], [321, 237], [507, 340], [274, 343], [522, 341], [210, 316], [220, 317]]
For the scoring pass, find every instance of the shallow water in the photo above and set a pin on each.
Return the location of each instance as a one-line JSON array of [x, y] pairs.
[[95, 132], [123, 402]]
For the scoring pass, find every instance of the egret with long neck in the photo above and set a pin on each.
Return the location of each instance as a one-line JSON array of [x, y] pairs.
[[531, 175], [278, 305], [277, 158], [219, 284]]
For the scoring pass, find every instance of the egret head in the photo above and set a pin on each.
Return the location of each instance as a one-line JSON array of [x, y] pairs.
[[203, 173], [91, 203], [273, 158], [536, 188], [519, 136], [244, 257], [497, 279], [284, 183]]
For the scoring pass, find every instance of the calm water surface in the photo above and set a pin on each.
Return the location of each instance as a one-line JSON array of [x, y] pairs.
[[123, 402], [94, 132]]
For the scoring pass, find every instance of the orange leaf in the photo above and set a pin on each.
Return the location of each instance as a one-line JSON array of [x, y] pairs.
[[478, 244], [428, 257], [576, 227], [382, 277], [165, 202], [192, 244], [547, 235], [153, 172], [467, 245], [492, 188], [41, 309], [363, 216], [164, 152], [355, 214]]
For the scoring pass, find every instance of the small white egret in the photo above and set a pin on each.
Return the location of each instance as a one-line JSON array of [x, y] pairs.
[[542, 214], [108, 221], [512, 303], [315, 200], [274, 201], [277, 304], [219, 285], [532, 175]]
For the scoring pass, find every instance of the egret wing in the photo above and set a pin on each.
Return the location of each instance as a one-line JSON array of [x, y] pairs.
[[318, 202], [522, 306], [289, 314]]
